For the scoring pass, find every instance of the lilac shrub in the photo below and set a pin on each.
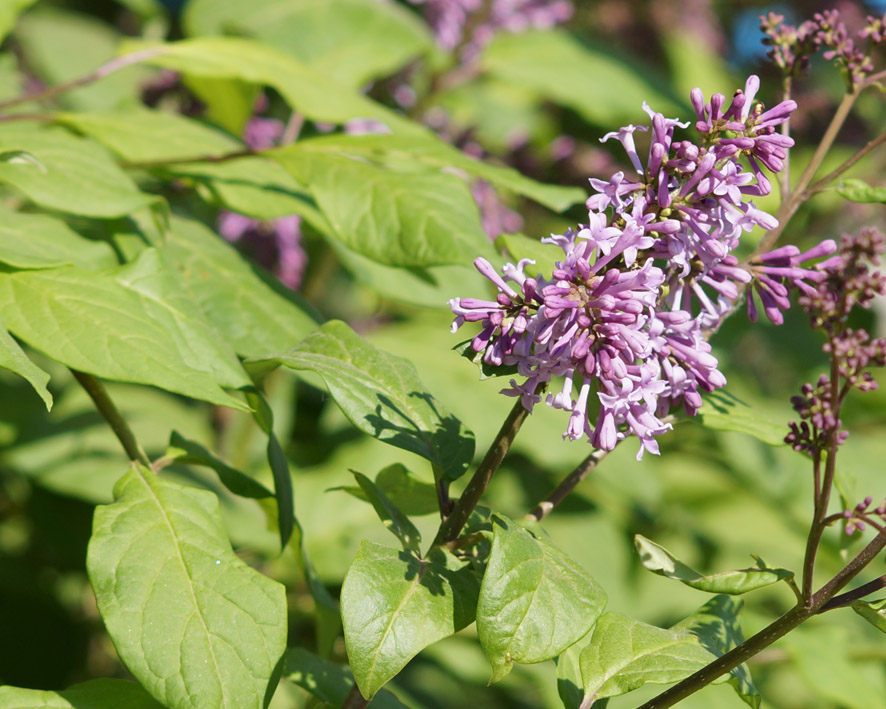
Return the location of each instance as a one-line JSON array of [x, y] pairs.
[[624, 314]]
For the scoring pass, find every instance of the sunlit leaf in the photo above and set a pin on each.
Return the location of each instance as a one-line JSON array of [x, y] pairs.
[[94, 694], [874, 612], [856, 190]]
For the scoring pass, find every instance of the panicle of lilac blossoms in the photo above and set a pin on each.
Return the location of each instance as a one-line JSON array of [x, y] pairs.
[[621, 317], [858, 517], [847, 282], [469, 25]]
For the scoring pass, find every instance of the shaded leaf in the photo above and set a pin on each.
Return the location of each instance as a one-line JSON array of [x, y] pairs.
[[394, 605], [77, 175], [534, 601], [192, 622], [874, 612], [391, 516], [380, 394], [94, 694], [856, 190], [183, 450], [592, 82], [716, 626], [397, 219], [9, 12], [660, 561], [403, 489], [328, 681], [37, 241], [625, 654]]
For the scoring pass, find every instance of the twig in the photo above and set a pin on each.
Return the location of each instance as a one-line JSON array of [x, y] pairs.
[[844, 599], [108, 410], [834, 174], [452, 525], [148, 164], [104, 70], [355, 700], [559, 493]]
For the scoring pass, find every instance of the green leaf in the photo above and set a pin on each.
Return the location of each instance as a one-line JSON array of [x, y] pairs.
[[94, 694], [253, 313], [569, 682], [254, 186], [78, 176], [856, 190], [309, 92], [9, 12], [183, 450], [660, 561], [397, 219], [603, 89], [381, 395], [37, 241], [723, 412], [264, 417], [62, 46], [403, 489], [194, 624], [534, 601], [139, 135], [716, 626], [394, 605], [352, 41], [229, 102], [14, 359], [625, 654], [328, 681], [392, 517], [432, 153], [120, 325], [874, 612]]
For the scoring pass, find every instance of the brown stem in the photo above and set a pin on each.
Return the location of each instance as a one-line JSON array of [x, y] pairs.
[[104, 70], [844, 599], [108, 410], [834, 174], [452, 525]]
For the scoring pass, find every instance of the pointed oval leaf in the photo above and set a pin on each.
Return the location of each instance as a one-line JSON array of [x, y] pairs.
[[625, 654], [77, 175], [660, 561], [723, 412], [391, 516], [874, 612], [381, 395], [398, 219], [14, 359], [117, 329], [394, 605], [194, 624], [534, 601], [94, 694]]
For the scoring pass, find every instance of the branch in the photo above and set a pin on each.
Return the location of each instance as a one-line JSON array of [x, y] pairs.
[[355, 700], [104, 70], [833, 175], [844, 599], [108, 410], [559, 493], [452, 525]]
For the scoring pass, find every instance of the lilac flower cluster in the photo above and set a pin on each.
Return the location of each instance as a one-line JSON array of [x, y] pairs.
[[848, 282], [862, 515], [469, 25], [624, 312], [792, 47]]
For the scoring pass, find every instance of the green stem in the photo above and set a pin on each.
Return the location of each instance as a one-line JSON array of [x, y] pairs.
[[108, 410], [104, 70], [778, 629], [452, 525]]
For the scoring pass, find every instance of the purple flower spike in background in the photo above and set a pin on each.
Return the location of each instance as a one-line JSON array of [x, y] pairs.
[[623, 314]]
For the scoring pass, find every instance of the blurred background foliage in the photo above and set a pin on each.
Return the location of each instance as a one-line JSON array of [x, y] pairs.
[[713, 497]]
